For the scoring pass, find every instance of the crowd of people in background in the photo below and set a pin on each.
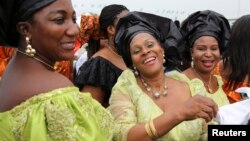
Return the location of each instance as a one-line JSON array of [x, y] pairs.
[[122, 75]]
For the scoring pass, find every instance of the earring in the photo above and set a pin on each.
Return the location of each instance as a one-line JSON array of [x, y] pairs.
[[164, 60], [136, 72], [29, 50], [192, 63]]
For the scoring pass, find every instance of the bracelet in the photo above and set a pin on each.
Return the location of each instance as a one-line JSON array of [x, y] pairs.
[[148, 131], [153, 130]]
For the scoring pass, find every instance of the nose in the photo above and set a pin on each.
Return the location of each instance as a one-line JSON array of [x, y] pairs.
[[146, 50], [208, 53], [73, 29]]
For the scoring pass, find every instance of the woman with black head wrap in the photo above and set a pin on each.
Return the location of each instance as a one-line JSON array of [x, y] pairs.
[[36, 103], [145, 103], [99, 74], [235, 67], [205, 34]]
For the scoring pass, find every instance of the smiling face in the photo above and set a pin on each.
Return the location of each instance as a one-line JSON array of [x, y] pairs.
[[205, 53], [53, 31], [146, 54]]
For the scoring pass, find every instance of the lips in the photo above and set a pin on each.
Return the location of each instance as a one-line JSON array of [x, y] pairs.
[[208, 63], [149, 60], [68, 46]]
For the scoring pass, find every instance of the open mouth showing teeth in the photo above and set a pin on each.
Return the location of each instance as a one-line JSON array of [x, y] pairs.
[[149, 60]]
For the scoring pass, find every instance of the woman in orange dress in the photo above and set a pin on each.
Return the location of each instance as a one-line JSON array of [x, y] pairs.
[[235, 64], [5, 55]]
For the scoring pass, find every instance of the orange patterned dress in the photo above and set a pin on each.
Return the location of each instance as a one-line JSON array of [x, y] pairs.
[[5, 55], [231, 94]]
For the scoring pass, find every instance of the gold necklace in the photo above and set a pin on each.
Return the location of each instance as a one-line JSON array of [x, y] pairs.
[[204, 82], [156, 94], [114, 52], [39, 60]]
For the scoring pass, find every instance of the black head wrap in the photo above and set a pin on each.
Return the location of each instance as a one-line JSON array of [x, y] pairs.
[[205, 23], [163, 29], [14, 11]]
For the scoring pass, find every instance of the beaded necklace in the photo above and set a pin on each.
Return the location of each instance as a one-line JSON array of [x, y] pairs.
[[156, 94]]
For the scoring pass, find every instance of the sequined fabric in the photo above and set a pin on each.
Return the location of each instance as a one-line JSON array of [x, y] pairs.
[[61, 115]]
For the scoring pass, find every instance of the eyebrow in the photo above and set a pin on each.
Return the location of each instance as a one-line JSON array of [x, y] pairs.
[[61, 11]]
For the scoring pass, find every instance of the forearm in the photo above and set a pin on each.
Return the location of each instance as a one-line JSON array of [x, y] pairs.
[[162, 124]]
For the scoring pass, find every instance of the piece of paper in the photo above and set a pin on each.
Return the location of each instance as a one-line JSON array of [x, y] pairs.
[[234, 114]]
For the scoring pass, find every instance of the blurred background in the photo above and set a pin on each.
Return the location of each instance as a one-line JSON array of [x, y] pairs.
[[174, 9]]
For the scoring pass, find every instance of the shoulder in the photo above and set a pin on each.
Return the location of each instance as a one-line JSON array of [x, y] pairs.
[[46, 82], [177, 83], [23, 86], [178, 76], [96, 63]]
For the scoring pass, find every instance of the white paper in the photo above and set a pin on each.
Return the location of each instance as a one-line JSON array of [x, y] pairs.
[[234, 114]]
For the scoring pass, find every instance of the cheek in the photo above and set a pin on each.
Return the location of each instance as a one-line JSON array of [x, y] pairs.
[[217, 55], [135, 60]]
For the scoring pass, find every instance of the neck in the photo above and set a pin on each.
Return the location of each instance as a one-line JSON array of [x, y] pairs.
[[113, 50], [154, 81], [206, 82], [40, 59]]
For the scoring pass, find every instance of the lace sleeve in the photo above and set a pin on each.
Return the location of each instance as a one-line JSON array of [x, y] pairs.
[[123, 110]]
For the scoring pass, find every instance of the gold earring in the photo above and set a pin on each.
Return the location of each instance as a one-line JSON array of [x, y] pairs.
[[29, 50], [192, 63], [136, 72], [164, 60]]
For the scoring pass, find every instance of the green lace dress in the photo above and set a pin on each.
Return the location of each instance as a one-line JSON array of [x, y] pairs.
[[219, 96], [64, 114], [130, 106]]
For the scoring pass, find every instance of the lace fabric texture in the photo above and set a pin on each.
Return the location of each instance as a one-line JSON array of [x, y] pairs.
[[130, 105], [98, 72], [218, 96], [64, 114]]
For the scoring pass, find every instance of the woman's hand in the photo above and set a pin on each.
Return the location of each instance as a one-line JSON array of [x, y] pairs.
[[199, 107]]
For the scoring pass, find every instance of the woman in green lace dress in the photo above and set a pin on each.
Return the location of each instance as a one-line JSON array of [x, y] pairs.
[[36, 103], [146, 104], [205, 34]]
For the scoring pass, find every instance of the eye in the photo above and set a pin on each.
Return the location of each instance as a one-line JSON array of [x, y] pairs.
[[136, 50], [201, 48], [149, 44], [74, 19], [59, 20], [215, 48]]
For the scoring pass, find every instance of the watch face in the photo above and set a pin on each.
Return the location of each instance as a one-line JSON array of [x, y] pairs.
[[244, 96]]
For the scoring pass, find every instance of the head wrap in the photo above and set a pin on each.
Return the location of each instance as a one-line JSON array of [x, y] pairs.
[[89, 28], [13, 11], [163, 29], [205, 23]]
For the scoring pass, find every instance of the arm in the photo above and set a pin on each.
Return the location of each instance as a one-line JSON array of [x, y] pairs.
[[128, 129], [196, 107], [96, 92]]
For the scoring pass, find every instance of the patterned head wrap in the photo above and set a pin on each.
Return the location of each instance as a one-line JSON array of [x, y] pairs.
[[89, 28]]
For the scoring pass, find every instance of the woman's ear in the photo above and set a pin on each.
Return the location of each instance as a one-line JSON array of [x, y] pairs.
[[111, 30], [191, 51], [24, 29]]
